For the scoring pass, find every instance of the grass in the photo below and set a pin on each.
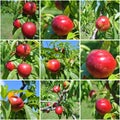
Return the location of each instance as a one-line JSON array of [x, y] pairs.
[[6, 26], [87, 110]]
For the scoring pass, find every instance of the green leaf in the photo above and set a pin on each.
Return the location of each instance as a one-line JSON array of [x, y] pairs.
[[43, 71], [117, 15], [106, 45], [66, 74], [73, 75], [4, 90], [17, 33], [28, 94], [12, 75], [114, 77], [6, 108], [67, 11], [107, 116], [71, 35], [29, 113]]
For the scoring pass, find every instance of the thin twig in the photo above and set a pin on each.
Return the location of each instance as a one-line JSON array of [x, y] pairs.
[[94, 34]]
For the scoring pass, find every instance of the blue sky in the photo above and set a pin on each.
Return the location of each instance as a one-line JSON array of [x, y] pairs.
[[72, 42], [16, 84]]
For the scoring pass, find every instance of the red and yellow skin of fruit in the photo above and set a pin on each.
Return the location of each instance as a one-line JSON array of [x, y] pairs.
[[103, 23], [103, 106], [10, 65], [29, 8], [23, 50], [62, 25], [29, 29], [24, 70], [56, 89], [66, 84], [16, 103], [17, 23], [100, 63], [53, 65], [92, 93], [59, 110]]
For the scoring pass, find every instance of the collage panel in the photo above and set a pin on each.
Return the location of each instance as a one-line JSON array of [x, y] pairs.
[[60, 100], [60, 60], [19, 59], [100, 19], [60, 19], [19, 19], [20, 99], [100, 60], [100, 100], [0, 59]]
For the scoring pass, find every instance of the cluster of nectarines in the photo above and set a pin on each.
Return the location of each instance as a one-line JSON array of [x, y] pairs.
[[23, 69], [28, 28]]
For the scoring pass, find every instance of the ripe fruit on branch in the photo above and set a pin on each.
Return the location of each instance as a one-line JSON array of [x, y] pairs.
[[17, 23], [55, 104], [29, 8], [24, 70], [66, 84], [59, 110], [103, 106], [48, 104], [103, 23], [62, 25], [23, 50], [92, 93], [100, 63], [56, 49], [56, 89], [16, 103], [29, 29], [53, 65], [10, 65]]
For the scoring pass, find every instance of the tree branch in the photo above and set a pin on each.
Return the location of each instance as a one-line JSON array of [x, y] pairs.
[[22, 88], [74, 117], [113, 90], [94, 34]]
